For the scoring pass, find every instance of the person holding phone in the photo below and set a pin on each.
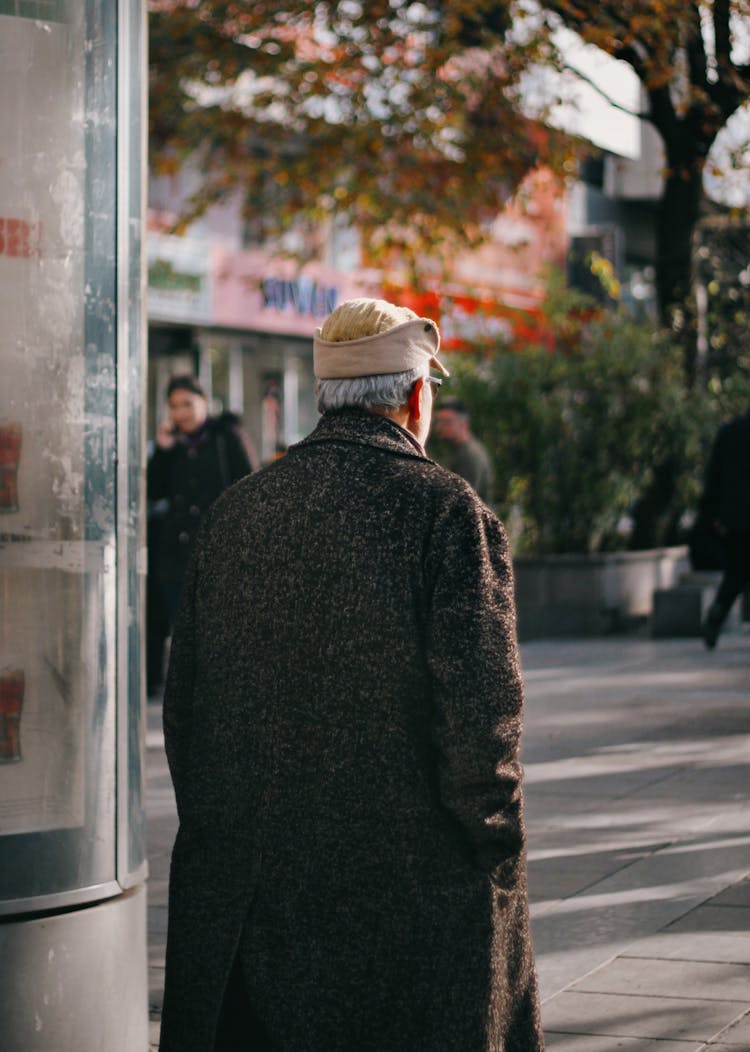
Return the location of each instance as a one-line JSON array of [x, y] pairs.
[[196, 458]]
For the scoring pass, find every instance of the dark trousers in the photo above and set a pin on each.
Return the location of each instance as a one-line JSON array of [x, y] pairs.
[[736, 572]]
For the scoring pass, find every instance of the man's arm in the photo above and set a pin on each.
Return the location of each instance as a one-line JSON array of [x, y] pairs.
[[478, 693]]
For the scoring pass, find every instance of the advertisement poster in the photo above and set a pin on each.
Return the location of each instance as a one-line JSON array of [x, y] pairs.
[[42, 173]]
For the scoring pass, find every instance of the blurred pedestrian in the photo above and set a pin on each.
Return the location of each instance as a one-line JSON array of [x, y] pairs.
[[157, 623], [342, 720], [460, 450], [726, 502], [195, 459]]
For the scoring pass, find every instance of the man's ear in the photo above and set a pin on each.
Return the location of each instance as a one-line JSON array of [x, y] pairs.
[[414, 401]]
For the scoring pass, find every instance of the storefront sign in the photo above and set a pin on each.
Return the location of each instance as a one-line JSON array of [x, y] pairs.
[[299, 295], [254, 291]]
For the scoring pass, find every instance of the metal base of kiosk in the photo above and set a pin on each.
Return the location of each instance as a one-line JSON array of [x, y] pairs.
[[77, 981]]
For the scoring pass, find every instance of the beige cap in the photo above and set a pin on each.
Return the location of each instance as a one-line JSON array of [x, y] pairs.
[[397, 350]]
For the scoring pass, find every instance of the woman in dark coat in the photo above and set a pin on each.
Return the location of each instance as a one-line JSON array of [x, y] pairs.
[[196, 458], [342, 721]]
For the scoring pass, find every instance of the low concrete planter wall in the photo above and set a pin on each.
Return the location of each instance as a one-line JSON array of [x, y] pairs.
[[592, 595]]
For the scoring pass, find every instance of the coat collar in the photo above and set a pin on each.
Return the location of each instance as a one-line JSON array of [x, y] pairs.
[[361, 427]]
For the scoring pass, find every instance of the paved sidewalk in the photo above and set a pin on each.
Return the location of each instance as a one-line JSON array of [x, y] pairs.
[[637, 759]]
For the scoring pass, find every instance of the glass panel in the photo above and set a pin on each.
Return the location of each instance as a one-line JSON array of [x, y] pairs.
[[57, 447], [131, 514]]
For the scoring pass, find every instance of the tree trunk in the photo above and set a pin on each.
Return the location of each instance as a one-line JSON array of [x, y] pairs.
[[656, 516], [678, 214]]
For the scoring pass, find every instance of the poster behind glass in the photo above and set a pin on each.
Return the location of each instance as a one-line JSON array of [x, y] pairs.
[[43, 627]]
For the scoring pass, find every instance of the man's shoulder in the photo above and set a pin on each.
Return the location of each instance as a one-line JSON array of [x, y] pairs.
[[455, 497]]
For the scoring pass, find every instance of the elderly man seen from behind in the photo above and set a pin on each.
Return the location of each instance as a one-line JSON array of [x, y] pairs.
[[342, 721]]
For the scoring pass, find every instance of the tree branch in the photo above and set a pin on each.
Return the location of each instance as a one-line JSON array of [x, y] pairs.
[[696, 50], [722, 34], [607, 98]]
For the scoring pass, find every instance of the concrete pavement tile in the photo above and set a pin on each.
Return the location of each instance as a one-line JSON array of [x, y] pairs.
[[560, 876], [697, 980], [609, 920], [599, 1043], [157, 919], [158, 891], [577, 935], [607, 778], [723, 780], [736, 1036], [694, 867], [554, 807], [156, 976], [670, 817], [713, 918], [738, 895], [693, 946], [155, 997], [676, 1018]]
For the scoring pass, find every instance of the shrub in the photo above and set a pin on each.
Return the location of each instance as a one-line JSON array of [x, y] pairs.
[[574, 428]]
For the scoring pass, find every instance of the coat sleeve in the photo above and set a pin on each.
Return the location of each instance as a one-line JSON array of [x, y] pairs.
[[157, 474], [472, 655], [179, 689]]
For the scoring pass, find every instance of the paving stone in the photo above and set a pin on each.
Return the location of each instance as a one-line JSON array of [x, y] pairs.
[[736, 1036], [157, 919], [699, 946], [738, 895], [689, 979], [599, 1043], [154, 1029], [713, 918], [562, 876], [676, 1018]]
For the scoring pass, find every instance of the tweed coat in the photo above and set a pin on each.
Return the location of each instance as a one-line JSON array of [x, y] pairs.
[[342, 719]]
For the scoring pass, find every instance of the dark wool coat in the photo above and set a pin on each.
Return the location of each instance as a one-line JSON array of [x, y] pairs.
[[342, 720], [189, 477]]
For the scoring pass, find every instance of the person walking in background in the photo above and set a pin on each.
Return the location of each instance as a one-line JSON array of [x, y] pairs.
[[342, 721], [196, 458], [726, 502], [460, 451]]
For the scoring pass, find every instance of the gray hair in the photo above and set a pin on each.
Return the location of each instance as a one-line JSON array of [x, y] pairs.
[[367, 392]]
